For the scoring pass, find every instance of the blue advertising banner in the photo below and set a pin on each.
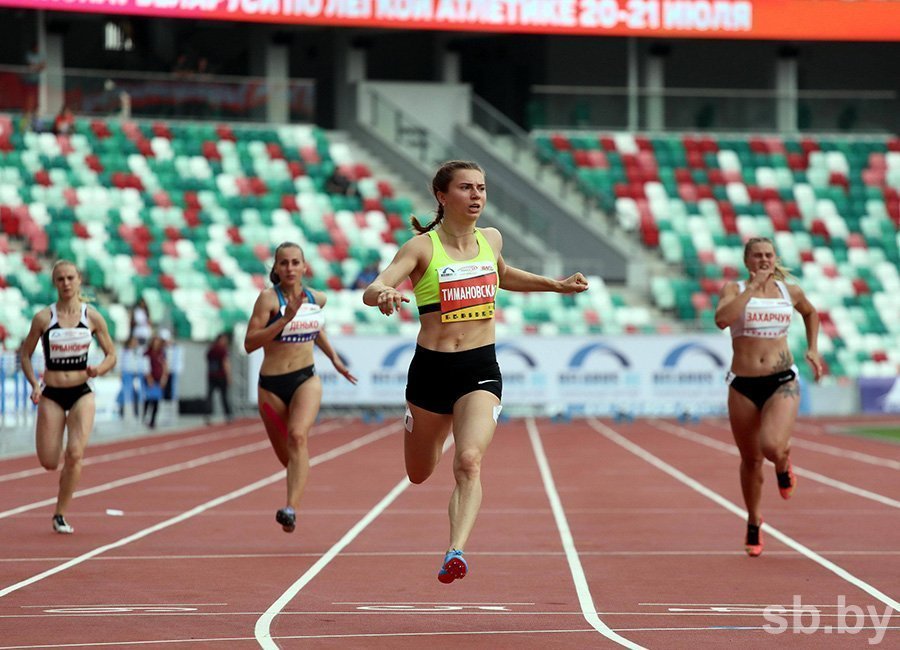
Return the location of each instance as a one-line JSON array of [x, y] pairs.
[[879, 394], [636, 375]]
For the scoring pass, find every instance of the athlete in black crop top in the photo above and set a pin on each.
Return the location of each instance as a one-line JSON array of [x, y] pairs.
[[64, 398]]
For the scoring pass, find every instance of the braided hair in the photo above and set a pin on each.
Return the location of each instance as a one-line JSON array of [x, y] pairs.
[[441, 183]]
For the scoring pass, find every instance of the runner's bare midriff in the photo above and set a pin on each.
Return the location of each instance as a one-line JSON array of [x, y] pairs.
[[760, 357], [454, 337]]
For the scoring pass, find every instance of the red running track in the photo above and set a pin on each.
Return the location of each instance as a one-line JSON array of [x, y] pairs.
[[592, 534]]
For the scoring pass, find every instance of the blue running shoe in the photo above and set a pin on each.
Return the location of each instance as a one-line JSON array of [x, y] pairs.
[[287, 518], [454, 567]]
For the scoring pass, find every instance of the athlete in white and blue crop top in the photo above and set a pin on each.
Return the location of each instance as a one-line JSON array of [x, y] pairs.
[[764, 393], [286, 321], [64, 398]]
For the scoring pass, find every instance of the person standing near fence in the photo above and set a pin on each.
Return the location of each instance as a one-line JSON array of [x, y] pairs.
[[454, 381], [218, 374], [156, 377], [65, 401], [764, 392], [131, 367]]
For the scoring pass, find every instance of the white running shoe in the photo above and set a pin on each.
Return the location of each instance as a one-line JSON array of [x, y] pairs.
[[61, 526]]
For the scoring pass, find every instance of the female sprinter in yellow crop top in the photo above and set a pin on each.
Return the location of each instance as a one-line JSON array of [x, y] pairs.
[[763, 394], [64, 397], [454, 381], [286, 321]]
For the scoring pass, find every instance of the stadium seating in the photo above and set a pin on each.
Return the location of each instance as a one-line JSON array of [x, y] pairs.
[[830, 205], [187, 216]]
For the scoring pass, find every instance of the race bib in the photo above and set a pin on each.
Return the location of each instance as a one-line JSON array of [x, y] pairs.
[[467, 291], [306, 324], [767, 318], [69, 346]]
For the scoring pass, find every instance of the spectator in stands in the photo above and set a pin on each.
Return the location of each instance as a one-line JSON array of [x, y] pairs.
[[31, 79], [340, 183], [141, 327], [367, 275], [64, 124], [454, 381], [287, 319], [764, 393], [64, 397], [182, 67], [218, 374], [156, 377], [131, 366]]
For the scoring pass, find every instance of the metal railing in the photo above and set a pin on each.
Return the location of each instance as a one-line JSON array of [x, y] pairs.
[[394, 124], [158, 95], [712, 109]]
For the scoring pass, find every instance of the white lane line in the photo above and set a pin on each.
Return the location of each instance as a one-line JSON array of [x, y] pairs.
[[677, 474], [247, 489], [676, 613], [292, 637], [146, 476], [831, 450], [256, 556], [845, 453], [687, 434], [586, 600], [262, 629], [123, 605], [140, 451], [416, 602]]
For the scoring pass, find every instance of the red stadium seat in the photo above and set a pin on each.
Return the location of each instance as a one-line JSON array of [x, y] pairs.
[[560, 142], [100, 129], [210, 151], [167, 282], [385, 189], [224, 132], [860, 286], [42, 177], [289, 203], [161, 130]]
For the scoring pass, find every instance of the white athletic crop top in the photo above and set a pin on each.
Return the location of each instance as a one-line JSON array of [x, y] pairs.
[[765, 318], [66, 348]]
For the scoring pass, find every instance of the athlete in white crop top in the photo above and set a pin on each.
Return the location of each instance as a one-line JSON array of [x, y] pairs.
[[764, 394], [287, 321], [64, 398]]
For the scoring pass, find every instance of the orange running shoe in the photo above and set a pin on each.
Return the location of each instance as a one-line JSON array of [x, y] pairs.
[[786, 482], [754, 542]]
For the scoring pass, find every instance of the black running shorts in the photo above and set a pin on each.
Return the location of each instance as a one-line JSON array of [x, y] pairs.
[[437, 379]]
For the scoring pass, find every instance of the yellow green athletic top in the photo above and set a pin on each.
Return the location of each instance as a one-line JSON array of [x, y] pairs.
[[461, 291]]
